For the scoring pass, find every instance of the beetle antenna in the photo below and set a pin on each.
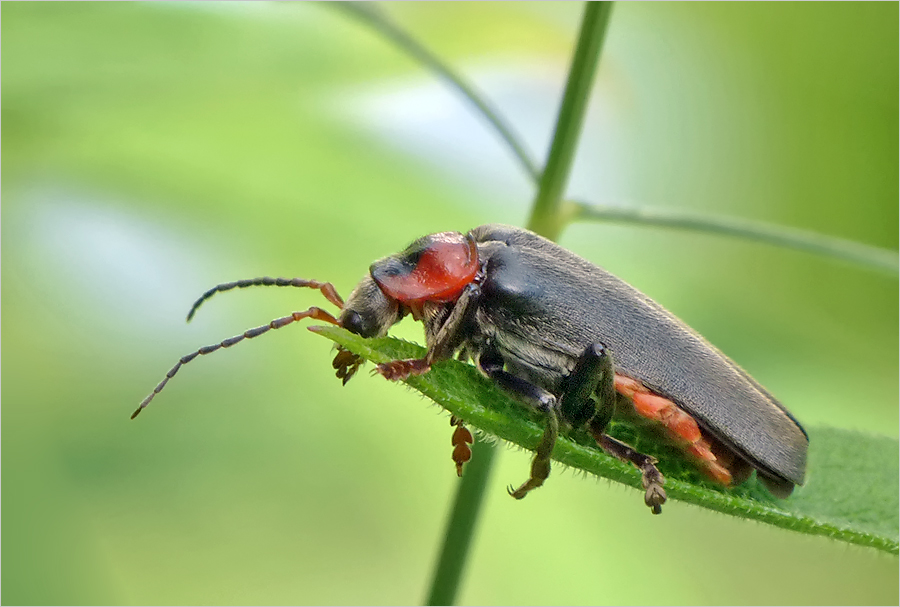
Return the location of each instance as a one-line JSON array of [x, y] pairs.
[[314, 312], [326, 288]]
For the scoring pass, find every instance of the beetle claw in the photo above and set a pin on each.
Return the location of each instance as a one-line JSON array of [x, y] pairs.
[[525, 488], [540, 465], [521, 492]]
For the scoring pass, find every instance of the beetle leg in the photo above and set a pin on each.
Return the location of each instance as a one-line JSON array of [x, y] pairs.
[[460, 440], [491, 363], [590, 393], [651, 477], [442, 345], [540, 466], [346, 364], [596, 365]]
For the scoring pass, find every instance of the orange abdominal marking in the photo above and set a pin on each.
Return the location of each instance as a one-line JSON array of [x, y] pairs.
[[680, 427]]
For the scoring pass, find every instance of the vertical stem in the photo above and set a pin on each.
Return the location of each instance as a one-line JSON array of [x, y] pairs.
[[546, 219], [546, 216], [461, 526]]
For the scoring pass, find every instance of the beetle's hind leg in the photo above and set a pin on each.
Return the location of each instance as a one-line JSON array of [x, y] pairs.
[[491, 363], [595, 365], [651, 477]]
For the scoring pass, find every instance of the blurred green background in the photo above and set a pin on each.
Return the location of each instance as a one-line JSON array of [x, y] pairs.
[[151, 151]]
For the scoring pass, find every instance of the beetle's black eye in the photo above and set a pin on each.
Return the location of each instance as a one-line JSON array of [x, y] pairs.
[[368, 312], [353, 322]]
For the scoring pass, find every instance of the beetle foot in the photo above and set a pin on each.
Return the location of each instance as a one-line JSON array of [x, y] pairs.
[[523, 490], [461, 440], [540, 465], [651, 478], [540, 471], [346, 364], [401, 369], [653, 481]]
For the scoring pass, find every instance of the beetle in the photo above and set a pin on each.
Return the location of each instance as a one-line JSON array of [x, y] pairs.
[[567, 338]]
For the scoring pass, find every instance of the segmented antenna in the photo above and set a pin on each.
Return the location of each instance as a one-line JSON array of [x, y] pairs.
[[326, 288], [314, 313]]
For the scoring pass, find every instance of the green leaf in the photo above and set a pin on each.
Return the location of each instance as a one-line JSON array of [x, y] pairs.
[[851, 493]]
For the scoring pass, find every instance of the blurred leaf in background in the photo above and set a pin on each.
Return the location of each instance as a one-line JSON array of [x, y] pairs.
[[151, 151]]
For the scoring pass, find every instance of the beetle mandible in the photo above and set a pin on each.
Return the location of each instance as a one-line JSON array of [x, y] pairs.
[[566, 337]]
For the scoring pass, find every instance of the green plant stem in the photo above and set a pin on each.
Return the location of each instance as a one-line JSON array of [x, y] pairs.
[[370, 14], [846, 250], [547, 213], [546, 220], [461, 526]]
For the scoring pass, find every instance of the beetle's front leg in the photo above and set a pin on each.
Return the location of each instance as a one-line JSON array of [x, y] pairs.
[[595, 365], [442, 344]]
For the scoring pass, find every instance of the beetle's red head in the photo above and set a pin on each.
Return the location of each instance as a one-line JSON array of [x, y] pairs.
[[435, 268]]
